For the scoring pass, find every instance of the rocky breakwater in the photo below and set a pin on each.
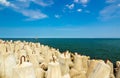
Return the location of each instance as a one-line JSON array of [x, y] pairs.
[[33, 60]]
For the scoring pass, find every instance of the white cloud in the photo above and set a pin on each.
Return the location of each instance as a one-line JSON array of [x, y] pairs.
[[57, 16], [81, 1], [119, 5], [22, 6], [111, 11], [79, 10], [84, 1], [110, 1], [39, 2], [23, 0], [5, 2], [22, 3], [70, 6], [33, 14], [43, 2]]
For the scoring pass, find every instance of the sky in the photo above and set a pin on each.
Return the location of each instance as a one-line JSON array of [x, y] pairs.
[[60, 18]]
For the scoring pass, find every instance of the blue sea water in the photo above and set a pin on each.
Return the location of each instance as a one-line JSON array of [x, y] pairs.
[[95, 48]]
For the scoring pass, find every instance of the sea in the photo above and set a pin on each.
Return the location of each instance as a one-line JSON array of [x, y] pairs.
[[96, 48]]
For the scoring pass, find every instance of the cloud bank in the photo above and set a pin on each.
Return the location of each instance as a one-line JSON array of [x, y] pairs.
[[23, 7]]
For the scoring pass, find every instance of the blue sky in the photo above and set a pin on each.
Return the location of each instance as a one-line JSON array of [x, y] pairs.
[[60, 18]]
